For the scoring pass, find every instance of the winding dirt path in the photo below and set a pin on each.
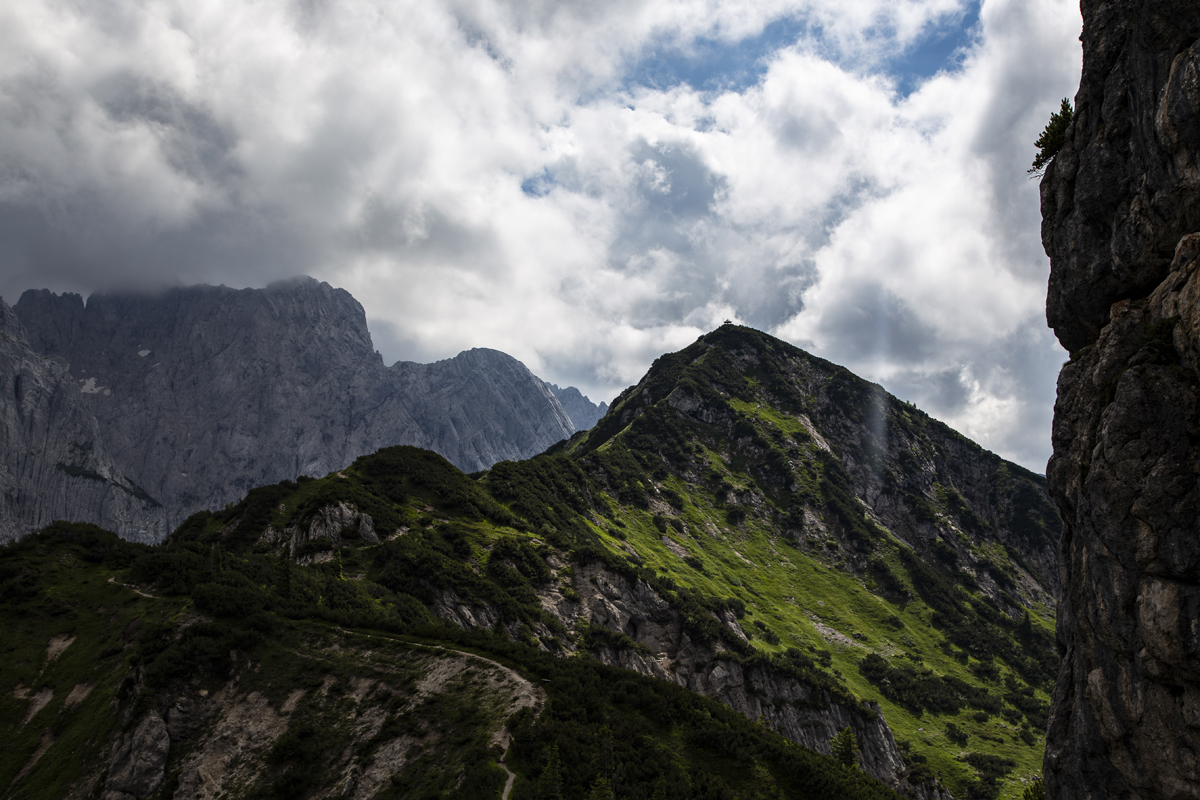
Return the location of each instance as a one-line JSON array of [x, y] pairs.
[[526, 694], [507, 784]]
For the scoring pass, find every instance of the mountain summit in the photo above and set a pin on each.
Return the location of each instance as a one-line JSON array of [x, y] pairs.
[[203, 393], [826, 454]]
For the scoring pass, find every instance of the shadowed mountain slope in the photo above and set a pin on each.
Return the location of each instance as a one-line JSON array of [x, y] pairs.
[[582, 411], [53, 464]]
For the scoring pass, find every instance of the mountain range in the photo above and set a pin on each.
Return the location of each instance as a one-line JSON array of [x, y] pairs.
[[200, 394], [749, 525], [755, 576]]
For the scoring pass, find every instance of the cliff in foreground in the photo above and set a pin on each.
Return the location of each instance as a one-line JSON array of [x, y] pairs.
[[1121, 211]]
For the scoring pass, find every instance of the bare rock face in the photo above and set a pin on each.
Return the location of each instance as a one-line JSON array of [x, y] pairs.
[[139, 766], [1123, 189], [334, 524], [579, 407], [1121, 212], [53, 464], [204, 393], [476, 409]]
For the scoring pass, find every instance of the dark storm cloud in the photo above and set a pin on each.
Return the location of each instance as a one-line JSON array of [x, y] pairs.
[[874, 324], [193, 141], [85, 245]]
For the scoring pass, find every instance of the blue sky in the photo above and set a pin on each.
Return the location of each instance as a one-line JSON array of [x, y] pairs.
[[584, 186], [717, 64], [714, 64], [942, 47]]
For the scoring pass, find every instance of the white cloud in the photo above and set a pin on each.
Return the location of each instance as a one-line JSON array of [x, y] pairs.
[[383, 147]]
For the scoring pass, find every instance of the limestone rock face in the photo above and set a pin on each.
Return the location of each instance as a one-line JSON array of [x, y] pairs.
[[206, 392], [1121, 212], [53, 464], [139, 766], [480, 407], [1122, 191], [582, 411]]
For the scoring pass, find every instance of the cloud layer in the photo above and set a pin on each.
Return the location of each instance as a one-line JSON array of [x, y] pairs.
[[583, 185]]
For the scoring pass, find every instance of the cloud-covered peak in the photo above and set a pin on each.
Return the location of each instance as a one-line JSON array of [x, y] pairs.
[[583, 185]]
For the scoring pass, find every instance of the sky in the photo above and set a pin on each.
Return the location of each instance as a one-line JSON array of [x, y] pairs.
[[582, 185]]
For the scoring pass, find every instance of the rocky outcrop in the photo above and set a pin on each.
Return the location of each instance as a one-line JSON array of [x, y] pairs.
[[139, 766], [225, 743], [206, 392], [1121, 212], [582, 411], [806, 714], [1122, 191], [803, 713], [328, 528], [53, 463]]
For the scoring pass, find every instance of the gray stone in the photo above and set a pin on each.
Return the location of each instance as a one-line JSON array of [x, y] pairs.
[[204, 393], [1121, 205], [1122, 191], [582, 411], [139, 766], [53, 463]]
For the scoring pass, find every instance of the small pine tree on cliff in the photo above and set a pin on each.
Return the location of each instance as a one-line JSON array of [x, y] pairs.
[[1052, 138]]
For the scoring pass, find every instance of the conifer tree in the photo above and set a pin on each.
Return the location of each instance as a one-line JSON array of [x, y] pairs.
[[283, 578], [549, 785], [1052, 138], [601, 790], [845, 747]]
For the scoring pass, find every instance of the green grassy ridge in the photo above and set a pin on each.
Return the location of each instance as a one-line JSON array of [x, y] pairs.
[[649, 736], [858, 578], [136, 650], [782, 382], [723, 492], [65, 593], [623, 494], [782, 586]]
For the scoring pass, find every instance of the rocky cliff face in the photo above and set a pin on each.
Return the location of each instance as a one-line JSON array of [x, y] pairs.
[[582, 411], [204, 393], [480, 407], [53, 464], [1121, 208], [804, 713]]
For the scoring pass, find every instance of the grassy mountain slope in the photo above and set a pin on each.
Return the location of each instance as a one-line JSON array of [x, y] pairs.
[[277, 679], [853, 527], [747, 510]]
